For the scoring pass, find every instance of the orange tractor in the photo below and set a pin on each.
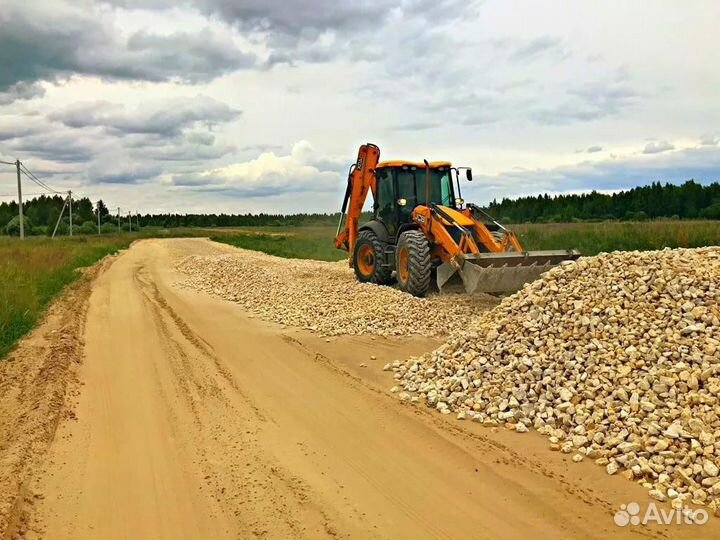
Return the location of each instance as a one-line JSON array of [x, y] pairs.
[[422, 227]]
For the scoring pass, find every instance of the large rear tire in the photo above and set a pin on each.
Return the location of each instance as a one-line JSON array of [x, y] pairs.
[[368, 260], [413, 263]]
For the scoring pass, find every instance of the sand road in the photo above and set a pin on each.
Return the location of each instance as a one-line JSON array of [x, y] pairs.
[[194, 421]]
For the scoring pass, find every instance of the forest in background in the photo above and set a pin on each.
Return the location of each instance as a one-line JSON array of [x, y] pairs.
[[690, 200]]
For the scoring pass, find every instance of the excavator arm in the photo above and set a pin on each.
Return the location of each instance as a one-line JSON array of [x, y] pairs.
[[361, 179]]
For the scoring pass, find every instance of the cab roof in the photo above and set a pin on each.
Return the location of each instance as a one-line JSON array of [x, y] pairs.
[[420, 165]]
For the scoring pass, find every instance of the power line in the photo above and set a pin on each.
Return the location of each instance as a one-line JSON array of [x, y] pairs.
[[36, 179], [24, 194], [7, 162]]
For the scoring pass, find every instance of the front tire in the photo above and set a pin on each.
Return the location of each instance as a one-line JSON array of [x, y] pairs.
[[413, 263], [368, 260]]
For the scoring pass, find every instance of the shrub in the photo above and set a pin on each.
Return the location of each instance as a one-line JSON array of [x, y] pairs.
[[13, 227], [712, 211], [108, 228], [88, 227]]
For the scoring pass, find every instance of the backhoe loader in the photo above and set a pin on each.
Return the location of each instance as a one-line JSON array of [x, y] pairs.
[[422, 226]]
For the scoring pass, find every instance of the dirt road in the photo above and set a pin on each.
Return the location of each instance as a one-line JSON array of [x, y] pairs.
[[193, 420]]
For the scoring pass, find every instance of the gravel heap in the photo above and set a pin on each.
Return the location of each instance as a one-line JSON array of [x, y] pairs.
[[615, 358], [325, 297]]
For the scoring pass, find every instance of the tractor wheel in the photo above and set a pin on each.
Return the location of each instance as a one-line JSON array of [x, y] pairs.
[[413, 263], [368, 260]]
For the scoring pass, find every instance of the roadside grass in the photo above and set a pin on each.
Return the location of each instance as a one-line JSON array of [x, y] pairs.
[[33, 271], [589, 238], [315, 242], [593, 238]]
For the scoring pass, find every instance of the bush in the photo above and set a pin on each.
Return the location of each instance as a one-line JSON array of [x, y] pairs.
[[13, 227], [712, 211], [635, 216], [39, 230], [108, 228], [88, 227], [62, 229]]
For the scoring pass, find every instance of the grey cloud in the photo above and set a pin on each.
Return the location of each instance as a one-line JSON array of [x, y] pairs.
[[293, 30], [298, 17], [479, 118], [21, 91], [261, 148], [110, 136], [589, 102], [593, 149], [119, 174], [165, 118], [204, 138], [308, 17], [12, 130], [416, 126], [536, 48], [187, 152], [54, 146], [710, 140], [196, 179], [60, 41], [213, 185], [656, 147]]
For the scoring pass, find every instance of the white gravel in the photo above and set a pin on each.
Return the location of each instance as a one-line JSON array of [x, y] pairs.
[[615, 358], [325, 297]]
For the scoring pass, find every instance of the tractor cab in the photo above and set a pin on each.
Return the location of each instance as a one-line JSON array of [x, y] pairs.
[[403, 185]]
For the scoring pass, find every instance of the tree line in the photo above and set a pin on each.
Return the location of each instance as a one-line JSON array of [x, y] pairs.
[[42, 213], [687, 201]]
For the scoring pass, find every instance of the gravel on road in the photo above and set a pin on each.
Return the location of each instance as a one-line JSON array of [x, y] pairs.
[[615, 358], [325, 297]]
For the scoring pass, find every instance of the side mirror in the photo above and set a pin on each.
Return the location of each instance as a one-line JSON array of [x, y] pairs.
[[468, 174], [402, 202]]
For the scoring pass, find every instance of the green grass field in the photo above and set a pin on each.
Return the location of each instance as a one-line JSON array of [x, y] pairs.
[[295, 243], [589, 238], [593, 238], [32, 272]]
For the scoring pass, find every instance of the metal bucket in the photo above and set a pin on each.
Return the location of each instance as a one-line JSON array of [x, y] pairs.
[[501, 272]]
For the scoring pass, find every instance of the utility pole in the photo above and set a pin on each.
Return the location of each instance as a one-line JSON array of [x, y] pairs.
[[137, 218], [98, 213], [57, 224], [20, 205], [118, 219], [130, 220], [70, 199]]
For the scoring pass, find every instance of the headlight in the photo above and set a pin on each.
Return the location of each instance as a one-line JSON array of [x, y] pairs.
[[459, 202]]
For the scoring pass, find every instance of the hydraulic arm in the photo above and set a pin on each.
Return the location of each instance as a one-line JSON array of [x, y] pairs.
[[361, 179]]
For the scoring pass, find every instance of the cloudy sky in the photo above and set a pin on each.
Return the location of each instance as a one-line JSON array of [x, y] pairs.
[[260, 105]]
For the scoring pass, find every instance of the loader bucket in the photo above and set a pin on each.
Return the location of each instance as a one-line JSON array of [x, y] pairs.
[[501, 272]]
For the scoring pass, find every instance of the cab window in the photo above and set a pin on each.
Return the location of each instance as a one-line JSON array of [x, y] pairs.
[[406, 190], [445, 188], [385, 200]]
